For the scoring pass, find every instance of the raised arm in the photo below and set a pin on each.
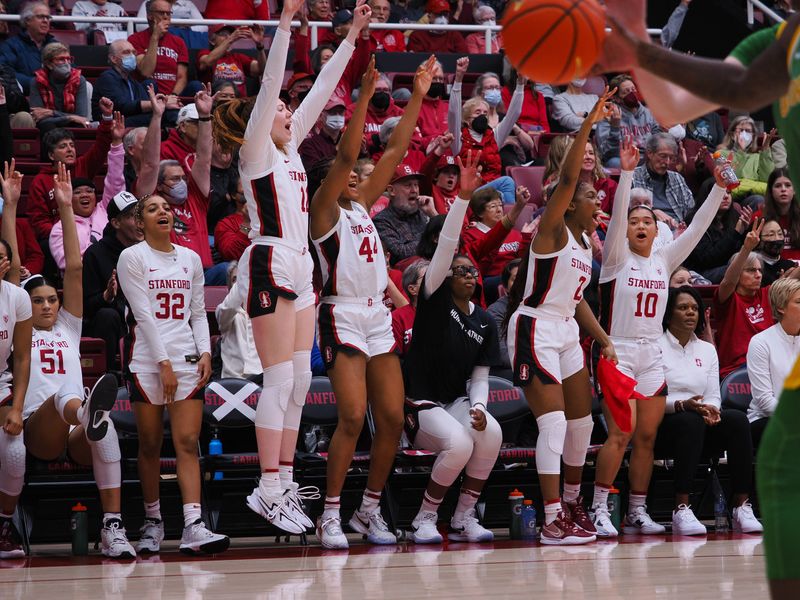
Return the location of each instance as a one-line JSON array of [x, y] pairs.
[[11, 181], [731, 278], [310, 108], [552, 235], [147, 177], [73, 271], [372, 187], [451, 230], [454, 105], [679, 249], [615, 245], [201, 169], [324, 210], [114, 181], [258, 150], [514, 110]]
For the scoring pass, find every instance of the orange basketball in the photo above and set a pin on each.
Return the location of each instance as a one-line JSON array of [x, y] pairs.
[[553, 41]]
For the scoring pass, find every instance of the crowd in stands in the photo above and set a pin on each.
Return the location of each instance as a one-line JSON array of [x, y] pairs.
[[147, 137]]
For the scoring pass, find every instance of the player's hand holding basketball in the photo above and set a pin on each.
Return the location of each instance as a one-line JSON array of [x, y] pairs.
[[470, 174], [628, 154], [169, 382], [424, 77]]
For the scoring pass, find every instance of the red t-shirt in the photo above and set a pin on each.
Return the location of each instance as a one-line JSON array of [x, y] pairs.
[[233, 67], [402, 325], [191, 229], [397, 278], [171, 52], [738, 320], [387, 40], [512, 247], [534, 109], [237, 10], [606, 188]]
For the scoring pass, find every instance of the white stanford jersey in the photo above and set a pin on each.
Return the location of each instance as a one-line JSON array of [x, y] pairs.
[[274, 180], [15, 306], [351, 257], [167, 314], [55, 360], [634, 289], [555, 281]]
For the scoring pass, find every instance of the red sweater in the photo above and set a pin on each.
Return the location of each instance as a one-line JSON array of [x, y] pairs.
[[490, 153], [174, 148], [42, 209], [534, 110], [229, 238], [513, 246], [425, 41], [355, 69], [606, 189], [432, 120], [402, 327], [30, 253], [373, 122], [237, 10]]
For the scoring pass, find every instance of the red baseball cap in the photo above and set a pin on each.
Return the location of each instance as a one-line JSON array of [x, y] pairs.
[[298, 77], [334, 102], [436, 7], [219, 27], [447, 161], [404, 170]]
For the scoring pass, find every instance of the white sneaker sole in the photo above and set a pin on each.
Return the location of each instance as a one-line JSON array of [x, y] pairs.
[[567, 541], [676, 530], [148, 547], [488, 536], [212, 547], [126, 555], [739, 529], [254, 503], [342, 544], [101, 399], [633, 530], [431, 540], [13, 554], [358, 526]]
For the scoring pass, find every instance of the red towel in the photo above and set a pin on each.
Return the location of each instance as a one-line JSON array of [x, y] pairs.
[[617, 390]]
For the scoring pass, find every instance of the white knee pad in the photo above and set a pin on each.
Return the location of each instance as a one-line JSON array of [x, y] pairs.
[[105, 460], [65, 393], [453, 457], [12, 463], [579, 435], [275, 392], [301, 363], [486, 448], [550, 445]]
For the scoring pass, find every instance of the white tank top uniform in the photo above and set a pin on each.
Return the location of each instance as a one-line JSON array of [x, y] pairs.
[[55, 360], [351, 313], [543, 335], [15, 306], [167, 317], [634, 289], [277, 263]]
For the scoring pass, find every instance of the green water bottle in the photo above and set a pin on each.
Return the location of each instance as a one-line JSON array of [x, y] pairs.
[[79, 527], [614, 507], [515, 500]]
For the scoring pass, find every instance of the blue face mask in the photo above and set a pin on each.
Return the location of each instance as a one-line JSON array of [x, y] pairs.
[[128, 63], [492, 97]]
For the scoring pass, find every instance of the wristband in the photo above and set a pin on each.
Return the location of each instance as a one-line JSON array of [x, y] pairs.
[[108, 117], [204, 119], [259, 47]]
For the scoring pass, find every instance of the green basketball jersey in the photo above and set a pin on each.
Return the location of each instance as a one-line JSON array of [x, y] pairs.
[[787, 109]]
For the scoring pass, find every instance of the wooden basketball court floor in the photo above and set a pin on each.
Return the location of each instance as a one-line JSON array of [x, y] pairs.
[[718, 567]]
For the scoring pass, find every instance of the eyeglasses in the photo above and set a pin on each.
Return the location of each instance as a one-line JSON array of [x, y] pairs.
[[42, 17], [63, 60], [463, 271], [161, 13], [666, 155]]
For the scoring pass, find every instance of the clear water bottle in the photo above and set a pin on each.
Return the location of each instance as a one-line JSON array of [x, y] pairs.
[[728, 174], [720, 507], [214, 449], [515, 500], [528, 521]]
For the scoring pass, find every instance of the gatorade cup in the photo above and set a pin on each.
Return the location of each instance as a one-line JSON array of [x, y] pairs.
[[614, 508], [79, 527], [515, 500]]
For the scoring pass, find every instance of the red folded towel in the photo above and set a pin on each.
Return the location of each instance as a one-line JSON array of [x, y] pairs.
[[617, 390]]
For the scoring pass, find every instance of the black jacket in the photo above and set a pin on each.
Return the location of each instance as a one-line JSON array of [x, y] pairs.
[[99, 260]]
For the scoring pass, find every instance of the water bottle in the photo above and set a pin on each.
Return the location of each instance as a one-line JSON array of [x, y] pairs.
[[515, 500], [728, 174], [79, 528], [528, 520], [720, 507], [614, 508], [214, 449]]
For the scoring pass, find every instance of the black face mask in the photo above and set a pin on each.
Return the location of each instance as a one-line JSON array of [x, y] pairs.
[[772, 248], [437, 89], [302, 95], [480, 124], [380, 100]]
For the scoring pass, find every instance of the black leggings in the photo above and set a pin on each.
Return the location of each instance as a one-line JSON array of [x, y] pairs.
[[685, 437], [757, 428]]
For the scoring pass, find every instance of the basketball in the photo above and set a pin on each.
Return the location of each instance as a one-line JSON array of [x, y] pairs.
[[553, 41]]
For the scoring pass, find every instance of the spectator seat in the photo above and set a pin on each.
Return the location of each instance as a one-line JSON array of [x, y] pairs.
[[735, 390], [532, 178]]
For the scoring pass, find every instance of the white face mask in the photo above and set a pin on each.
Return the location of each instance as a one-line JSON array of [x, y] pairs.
[[489, 23], [335, 122], [578, 83], [678, 132], [745, 137], [441, 20]]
